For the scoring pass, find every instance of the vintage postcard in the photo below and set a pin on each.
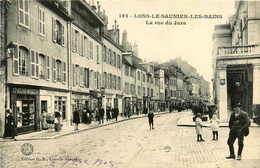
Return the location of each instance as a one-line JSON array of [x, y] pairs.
[[129, 83]]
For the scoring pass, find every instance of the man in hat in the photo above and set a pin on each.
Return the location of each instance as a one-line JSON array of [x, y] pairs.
[[237, 123]]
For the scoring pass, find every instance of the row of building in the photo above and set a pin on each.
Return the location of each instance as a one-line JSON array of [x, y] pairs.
[[60, 55], [236, 61]]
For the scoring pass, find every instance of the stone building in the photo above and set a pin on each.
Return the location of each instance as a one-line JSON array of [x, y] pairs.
[[236, 60], [37, 76]]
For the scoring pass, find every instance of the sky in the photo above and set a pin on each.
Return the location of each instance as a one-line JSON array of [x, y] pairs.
[[192, 42]]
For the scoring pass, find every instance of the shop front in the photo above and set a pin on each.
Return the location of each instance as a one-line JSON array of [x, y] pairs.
[[25, 106], [80, 101]]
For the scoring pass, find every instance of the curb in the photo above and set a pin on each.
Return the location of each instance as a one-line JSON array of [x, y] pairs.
[[94, 127]]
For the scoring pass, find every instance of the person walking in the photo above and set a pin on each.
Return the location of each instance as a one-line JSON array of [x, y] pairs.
[[108, 113], [44, 121], [10, 126], [238, 125], [57, 125], [116, 112], [89, 116], [84, 116], [214, 126], [101, 112], [76, 119], [199, 125], [150, 119]]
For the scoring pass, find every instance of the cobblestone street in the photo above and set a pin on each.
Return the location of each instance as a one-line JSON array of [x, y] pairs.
[[131, 144]]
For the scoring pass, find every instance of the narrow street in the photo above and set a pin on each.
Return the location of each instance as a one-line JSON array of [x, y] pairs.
[[132, 144]]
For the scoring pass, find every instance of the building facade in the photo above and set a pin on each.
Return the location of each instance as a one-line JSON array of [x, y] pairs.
[[236, 58]]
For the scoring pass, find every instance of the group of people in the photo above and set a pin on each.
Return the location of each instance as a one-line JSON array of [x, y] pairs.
[[239, 128], [98, 113]]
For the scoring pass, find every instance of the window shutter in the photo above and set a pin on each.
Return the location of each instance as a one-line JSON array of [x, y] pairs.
[[64, 72], [63, 38], [37, 65], [16, 61], [48, 67], [81, 44], [87, 78], [33, 64], [74, 74], [54, 30], [54, 69], [73, 40]]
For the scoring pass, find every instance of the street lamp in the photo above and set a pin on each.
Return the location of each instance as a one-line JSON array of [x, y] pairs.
[[10, 50]]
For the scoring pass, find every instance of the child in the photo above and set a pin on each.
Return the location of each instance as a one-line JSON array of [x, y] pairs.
[[150, 116], [198, 127], [214, 126]]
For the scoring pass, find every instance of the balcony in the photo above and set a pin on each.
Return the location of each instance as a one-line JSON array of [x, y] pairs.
[[231, 51]]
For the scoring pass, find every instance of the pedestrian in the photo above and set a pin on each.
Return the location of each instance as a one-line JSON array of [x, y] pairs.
[[145, 110], [44, 121], [238, 125], [137, 110], [89, 116], [57, 125], [10, 126], [108, 113], [214, 126], [150, 119], [128, 112], [116, 112], [101, 112], [76, 119], [84, 116], [199, 125]]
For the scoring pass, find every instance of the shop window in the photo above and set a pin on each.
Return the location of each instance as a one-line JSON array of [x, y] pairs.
[[60, 106], [24, 15], [25, 110]]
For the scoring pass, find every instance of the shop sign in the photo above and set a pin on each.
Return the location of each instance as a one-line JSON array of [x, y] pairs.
[[25, 91]]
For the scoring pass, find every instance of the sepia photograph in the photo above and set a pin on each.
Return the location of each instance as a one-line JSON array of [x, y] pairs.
[[129, 83]]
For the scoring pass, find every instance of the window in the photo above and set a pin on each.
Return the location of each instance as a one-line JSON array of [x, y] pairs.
[[148, 92], [138, 76], [151, 92], [111, 81], [41, 66], [119, 83], [97, 53], [86, 82], [81, 76], [85, 48], [114, 59], [48, 67], [143, 91], [91, 49], [108, 81], [58, 32], [118, 62], [64, 72], [108, 56], [81, 44], [111, 58], [95, 80], [24, 16], [104, 79], [23, 58], [126, 70], [114, 82], [104, 54], [34, 64], [41, 22], [76, 75], [58, 71], [143, 77], [138, 90], [54, 69]]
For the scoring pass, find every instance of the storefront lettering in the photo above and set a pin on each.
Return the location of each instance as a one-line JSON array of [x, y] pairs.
[[25, 91]]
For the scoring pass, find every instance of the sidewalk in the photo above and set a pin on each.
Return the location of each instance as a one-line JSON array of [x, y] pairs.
[[68, 130], [188, 122]]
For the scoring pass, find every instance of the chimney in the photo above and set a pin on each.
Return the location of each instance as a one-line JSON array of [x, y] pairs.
[[135, 49], [98, 6], [124, 39], [93, 5]]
